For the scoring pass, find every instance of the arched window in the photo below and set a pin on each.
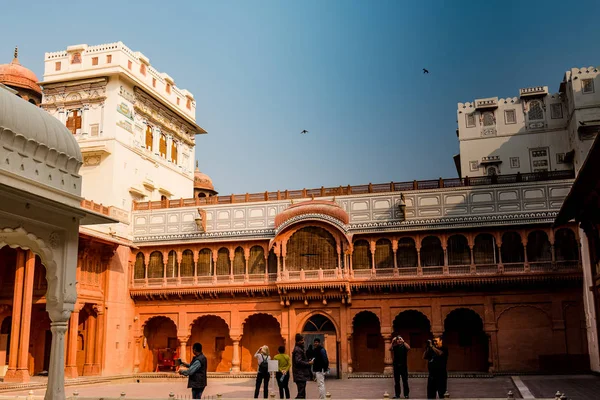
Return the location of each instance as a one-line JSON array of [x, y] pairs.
[[140, 266], [149, 137], [311, 248], [484, 250], [406, 255], [538, 247], [223, 262], [187, 263], [432, 254], [384, 255], [204, 262], [272, 262], [536, 112], [361, 256], [172, 265], [459, 252], [156, 265], [239, 262], [512, 248], [488, 119], [256, 263], [565, 245]]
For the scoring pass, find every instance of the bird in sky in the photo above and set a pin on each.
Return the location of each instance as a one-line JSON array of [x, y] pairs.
[[304, 132], [425, 71]]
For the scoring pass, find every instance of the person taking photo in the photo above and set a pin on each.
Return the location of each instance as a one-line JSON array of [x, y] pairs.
[[437, 356], [399, 349]]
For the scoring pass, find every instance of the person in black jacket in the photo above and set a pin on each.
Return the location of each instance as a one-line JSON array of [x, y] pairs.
[[437, 356], [400, 350], [196, 372], [300, 367], [320, 366]]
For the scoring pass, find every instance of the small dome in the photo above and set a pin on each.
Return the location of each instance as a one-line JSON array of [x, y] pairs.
[[202, 181], [35, 128], [16, 75]]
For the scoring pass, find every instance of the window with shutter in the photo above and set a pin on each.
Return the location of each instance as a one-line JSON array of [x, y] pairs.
[[149, 137], [162, 145], [174, 152], [74, 121], [109, 59]]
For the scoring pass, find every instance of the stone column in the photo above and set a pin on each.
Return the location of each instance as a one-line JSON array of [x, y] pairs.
[[387, 360], [90, 344], [84, 114], [136, 354], [182, 350], [11, 374], [169, 142], [23, 361], [246, 258], [62, 117], [349, 353], [71, 364], [235, 359], [56, 372], [99, 346], [373, 249]]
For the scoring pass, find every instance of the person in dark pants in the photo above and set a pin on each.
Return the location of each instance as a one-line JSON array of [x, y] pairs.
[[437, 356], [196, 372], [283, 373], [301, 367], [400, 350], [262, 355]]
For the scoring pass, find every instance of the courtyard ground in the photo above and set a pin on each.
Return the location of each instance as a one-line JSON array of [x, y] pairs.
[[576, 387]]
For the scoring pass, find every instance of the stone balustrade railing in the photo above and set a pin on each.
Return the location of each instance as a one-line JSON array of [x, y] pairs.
[[362, 275]]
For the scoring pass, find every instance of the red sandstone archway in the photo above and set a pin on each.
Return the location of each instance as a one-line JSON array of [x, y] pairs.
[[321, 326], [368, 345], [213, 333], [160, 333], [467, 343], [415, 328], [524, 336], [259, 329]]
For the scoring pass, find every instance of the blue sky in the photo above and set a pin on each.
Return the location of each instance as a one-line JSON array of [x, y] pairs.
[[347, 71]]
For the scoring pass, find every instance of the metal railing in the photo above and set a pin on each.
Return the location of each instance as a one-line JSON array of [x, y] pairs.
[[358, 189]]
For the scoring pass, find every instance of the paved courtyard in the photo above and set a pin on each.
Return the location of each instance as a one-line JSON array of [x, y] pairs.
[[577, 387]]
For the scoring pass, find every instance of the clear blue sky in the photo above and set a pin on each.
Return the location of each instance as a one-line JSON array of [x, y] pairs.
[[347, 71]]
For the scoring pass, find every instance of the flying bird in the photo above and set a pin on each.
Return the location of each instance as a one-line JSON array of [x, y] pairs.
[[425, 71], [304, 132]]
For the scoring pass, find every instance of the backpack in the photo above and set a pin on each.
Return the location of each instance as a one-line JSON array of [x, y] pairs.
[[263, 367]]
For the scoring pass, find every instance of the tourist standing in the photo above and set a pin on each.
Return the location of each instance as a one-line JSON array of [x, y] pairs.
[[283, 372], [301, 366], [196, 372], [320, 366], [262, 355], [400, 350], [437, 356]]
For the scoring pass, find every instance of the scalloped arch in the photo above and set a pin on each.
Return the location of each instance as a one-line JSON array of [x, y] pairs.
[[20, 238], [364, 312], [260, 313], [154, 317], [521, 306], [191, 325], [412, 310], [471, 309]]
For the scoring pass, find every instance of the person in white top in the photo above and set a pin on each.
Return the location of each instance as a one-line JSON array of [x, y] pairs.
[[262, 355]]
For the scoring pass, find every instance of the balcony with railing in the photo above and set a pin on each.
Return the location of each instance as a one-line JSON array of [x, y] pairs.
[[357, 189], [390, 275]]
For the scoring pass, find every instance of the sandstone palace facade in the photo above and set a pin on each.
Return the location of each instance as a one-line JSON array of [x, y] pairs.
[[475, 258]]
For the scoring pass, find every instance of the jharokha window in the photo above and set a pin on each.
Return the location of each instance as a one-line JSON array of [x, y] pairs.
[[74, 121], [162, 145], [174, 152], [149, 137], [76, 58], [536, 112]]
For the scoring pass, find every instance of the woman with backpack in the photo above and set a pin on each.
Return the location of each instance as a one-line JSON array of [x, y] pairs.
[[262, 355]]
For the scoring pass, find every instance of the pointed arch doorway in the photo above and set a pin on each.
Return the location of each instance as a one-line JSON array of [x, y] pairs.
[[320, 326]]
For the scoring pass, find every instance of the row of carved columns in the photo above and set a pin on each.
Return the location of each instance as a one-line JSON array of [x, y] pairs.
[[93, 341]]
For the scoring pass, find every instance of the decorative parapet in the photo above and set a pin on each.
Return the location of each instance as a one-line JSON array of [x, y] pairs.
[[491, 102], [444, 208], [533, 91]]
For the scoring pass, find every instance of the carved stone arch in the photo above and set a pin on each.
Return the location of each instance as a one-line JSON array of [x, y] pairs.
[[413, 309], [191, 324], [523, 306], [469, 308], [20, 238], [268, 314], [355, 314], [287, 229], [150, 318], [311, 314]]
